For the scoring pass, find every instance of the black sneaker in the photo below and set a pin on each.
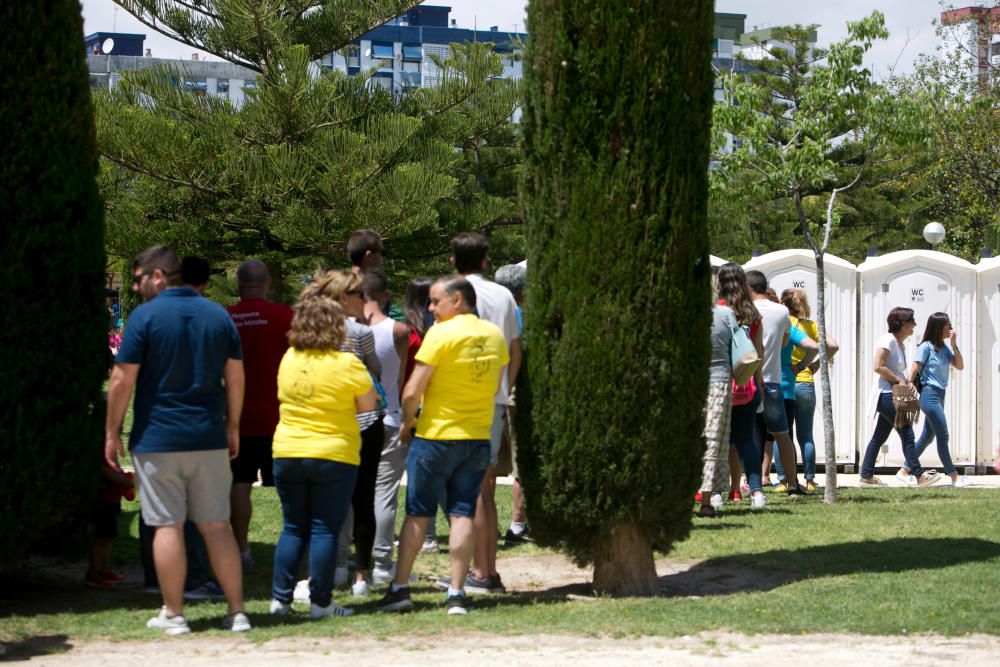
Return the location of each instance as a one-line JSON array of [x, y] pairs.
[[458, 605], [512, 538], [797, 491], [478, 586], [496, 585], [398, 600]]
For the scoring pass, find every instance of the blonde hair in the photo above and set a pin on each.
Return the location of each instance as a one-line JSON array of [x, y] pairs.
[[331, 284], [797, 303], [319, 319]]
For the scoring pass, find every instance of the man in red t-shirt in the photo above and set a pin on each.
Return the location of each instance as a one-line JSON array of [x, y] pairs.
[[263, 328]]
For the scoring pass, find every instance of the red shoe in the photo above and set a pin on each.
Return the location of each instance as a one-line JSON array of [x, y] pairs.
[[111, 576], [735, 496], [697, 497], [97, 580]]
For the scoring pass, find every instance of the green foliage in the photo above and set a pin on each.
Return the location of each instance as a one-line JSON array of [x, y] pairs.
[[616, 138], [311, 155], [53, 337]]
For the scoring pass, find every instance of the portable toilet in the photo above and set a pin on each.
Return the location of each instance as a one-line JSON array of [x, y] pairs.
[[786, 269], [926, 281], [988, 354], [716, 261]]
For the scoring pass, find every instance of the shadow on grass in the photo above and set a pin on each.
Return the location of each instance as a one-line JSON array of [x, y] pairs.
[[747, 573], [33, 647]]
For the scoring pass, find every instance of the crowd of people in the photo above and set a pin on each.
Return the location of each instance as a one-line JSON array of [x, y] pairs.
[[333, 400], [745, 423], [329, 402]]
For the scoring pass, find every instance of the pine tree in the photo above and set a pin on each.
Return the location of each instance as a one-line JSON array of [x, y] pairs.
[[308, 157], [53, 336], [618, 103]]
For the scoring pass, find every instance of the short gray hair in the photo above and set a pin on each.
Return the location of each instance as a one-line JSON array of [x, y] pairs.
[[513, 277]]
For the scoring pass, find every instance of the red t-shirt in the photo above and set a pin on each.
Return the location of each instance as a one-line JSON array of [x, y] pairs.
[[263, 327], [411, 353]]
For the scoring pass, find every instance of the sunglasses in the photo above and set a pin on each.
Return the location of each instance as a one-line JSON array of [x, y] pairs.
[[136, 279]]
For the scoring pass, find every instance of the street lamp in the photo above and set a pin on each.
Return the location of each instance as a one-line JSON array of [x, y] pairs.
[[934, 233]]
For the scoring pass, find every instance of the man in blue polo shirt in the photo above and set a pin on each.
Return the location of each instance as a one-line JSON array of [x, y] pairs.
[[182, 354]]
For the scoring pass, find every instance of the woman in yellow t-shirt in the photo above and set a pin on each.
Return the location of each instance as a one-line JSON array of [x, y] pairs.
[[316, 449], [805, 389]]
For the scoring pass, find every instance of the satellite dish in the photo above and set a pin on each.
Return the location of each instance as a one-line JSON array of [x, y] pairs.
[[107, 45], [368, 53]]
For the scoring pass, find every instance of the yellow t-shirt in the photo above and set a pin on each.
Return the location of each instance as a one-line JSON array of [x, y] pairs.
[[468, 354], [811, 329], [317, 390]]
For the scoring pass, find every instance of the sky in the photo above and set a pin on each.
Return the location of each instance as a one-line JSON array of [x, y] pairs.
[[909, 22]]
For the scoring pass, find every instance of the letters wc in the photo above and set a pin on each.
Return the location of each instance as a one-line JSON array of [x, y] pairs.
[[926, 281], [988, 368], [797, 269]]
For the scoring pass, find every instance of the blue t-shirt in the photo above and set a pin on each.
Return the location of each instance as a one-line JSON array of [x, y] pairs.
[[936, 364], [181, 342], [795, 336]]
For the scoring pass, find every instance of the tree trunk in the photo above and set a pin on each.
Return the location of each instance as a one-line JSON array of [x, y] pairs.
[[623, 565], [830, 491]]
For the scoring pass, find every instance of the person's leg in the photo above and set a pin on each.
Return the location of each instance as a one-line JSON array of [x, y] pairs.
[[775, 453], [741, 435], [170, 558], [411, 538], [933, 407], [199, 569], [426, 473], [329, 485], [777, 425], [146, 533], [293, 492], [805, 411], [469, 466], [884, 418], [390, 472], [910, 451], [225, 558], [715, 462], [484, 560], [242, 511], [100, 552], [735, 468], [244, 468], [363, 500]]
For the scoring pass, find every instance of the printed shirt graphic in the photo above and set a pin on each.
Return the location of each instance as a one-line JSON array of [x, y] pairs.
[[468, 354], [317, 390], [263, 328]]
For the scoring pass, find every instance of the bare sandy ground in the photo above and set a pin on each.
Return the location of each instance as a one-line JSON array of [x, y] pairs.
[[548, 650]]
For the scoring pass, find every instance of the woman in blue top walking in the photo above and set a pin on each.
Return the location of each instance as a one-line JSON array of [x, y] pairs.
[[932, 363]]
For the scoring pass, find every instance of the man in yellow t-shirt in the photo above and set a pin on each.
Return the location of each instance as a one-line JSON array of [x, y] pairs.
[[457, 374]]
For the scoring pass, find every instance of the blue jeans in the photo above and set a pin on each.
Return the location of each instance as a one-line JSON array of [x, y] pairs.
[[883, 427], [775, 456], [315, 495], [450, 468], [741, 436], [935, 426], [805, 410]]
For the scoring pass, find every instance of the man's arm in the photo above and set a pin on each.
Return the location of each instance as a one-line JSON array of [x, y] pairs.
[[120, 386], [235, 382], [413, 393], [514, 365], [810, 349], [401, 340]]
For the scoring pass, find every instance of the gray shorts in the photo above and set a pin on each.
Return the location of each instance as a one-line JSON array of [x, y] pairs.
[[174, 486], [496, 432]]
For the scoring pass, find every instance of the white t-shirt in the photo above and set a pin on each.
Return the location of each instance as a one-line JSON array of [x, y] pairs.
[[896, 362], [775, 326], [495, 303], [385, 350]]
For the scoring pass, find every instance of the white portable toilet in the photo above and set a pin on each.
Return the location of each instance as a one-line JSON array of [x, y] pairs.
[[787, 269], [716, 261], [988, 355], [926, 281]]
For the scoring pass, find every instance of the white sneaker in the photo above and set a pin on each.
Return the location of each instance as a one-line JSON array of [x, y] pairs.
[[961, 482], [340, 577], [279, 608], [237, 622], [360, 589], [905, 478], [301, 592], [332, 609], [430, 547], [716, 502], [870, 482], [171, 625], [382, 576], [758, 501]]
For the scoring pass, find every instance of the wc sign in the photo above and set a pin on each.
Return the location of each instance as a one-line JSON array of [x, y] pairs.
[[917, 294], [801, 284]]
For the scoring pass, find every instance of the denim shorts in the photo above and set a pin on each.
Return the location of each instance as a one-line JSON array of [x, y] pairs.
[[774, 409], [453, 469]]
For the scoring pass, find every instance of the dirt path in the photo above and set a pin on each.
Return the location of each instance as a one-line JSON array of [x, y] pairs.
[[548, 650]]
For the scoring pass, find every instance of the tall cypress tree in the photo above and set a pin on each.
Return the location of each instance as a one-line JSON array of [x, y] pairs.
[[616, 133], [53, 335]]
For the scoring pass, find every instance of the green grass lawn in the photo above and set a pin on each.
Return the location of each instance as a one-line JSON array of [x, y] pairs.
[[889, 561]]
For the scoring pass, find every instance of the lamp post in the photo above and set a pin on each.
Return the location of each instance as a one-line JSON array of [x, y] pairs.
[[934, 233]]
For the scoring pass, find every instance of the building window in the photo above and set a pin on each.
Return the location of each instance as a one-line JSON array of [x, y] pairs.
[[381, 51], [222, 86], [383, 82], [352, 53], [413, 52]]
